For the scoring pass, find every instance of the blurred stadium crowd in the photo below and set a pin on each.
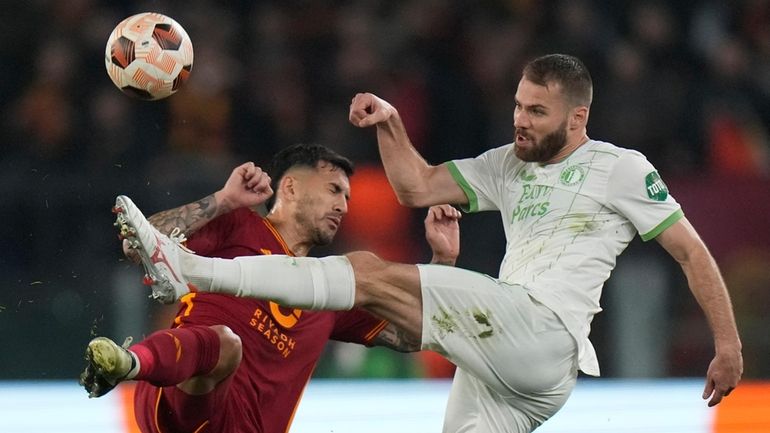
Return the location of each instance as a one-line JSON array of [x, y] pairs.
[[685, 82]]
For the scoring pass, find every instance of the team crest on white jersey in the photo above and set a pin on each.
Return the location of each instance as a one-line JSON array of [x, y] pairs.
[[572, 175]]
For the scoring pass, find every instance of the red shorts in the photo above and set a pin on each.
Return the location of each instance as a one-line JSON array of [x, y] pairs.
[[170, 410]]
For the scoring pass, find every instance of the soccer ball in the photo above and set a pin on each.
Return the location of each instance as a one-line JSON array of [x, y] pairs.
[[148, 56]]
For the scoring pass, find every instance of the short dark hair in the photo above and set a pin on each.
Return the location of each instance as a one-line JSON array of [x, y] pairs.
[[566, 70], [303, 155]]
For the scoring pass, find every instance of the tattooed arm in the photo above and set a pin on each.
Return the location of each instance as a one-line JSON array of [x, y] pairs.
[[396, 339], [190, 217], [247, 186]]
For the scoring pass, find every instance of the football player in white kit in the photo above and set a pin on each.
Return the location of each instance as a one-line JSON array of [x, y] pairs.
[[569, 205]]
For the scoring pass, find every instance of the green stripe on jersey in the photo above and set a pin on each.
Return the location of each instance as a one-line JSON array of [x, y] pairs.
[[473, 200], [668, 222]]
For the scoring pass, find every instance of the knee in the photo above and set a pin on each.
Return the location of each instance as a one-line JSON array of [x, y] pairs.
[[230, 347], [367, 268], [365, 261], [379, 281]]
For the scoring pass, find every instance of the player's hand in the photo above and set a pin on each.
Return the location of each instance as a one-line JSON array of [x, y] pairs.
[[247, 186], [442, 231], [723, 375], [367, 109]]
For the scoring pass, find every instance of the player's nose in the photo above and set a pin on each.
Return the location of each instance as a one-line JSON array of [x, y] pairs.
[[520, 119], [341, 205]]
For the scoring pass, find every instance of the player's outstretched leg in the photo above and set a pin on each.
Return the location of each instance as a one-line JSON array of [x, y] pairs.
[[159, 254], [108, 365], [196, 358], [301, 282]]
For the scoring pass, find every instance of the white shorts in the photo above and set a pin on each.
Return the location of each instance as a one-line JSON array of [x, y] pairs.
[[517, 364]]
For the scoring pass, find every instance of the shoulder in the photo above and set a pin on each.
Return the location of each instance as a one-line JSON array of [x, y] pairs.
[[501, 156], [613, 155], [241, 222], [607, 149], [499, 152], [237, 220], [504, 152], [485, 164], [244, 214]]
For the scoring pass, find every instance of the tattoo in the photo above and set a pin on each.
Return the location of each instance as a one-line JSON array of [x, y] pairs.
[[188, 218], [396, 339]]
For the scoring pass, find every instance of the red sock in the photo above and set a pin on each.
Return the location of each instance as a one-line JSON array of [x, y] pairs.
[[172, 356]]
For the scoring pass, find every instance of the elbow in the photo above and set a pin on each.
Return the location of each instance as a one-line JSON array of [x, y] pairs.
[[411, 199], [405, 197], [406, 200], [421, 190]]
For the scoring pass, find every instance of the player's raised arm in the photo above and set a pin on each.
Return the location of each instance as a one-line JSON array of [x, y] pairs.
[[248, 185], [415, 182], [706, 284]]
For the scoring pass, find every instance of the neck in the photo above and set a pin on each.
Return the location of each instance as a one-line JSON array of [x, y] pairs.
[[298, 243], [572, 145]]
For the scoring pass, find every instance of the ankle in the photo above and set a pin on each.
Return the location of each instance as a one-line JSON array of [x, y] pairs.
[[135, 366]]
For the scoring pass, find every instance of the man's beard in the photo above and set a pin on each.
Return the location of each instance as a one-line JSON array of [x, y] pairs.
[[546, 148], [321, 238], [304, 219]]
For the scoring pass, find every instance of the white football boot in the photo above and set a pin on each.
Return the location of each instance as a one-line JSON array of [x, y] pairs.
[[159, 254]]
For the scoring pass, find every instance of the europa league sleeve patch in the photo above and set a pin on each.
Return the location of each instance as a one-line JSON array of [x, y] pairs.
[[656, 189]]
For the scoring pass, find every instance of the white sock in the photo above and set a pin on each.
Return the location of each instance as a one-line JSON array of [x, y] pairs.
[[327, 283], [135, 369], [198, 270]]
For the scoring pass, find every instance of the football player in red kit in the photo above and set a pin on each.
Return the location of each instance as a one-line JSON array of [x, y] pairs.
[[240, 365]]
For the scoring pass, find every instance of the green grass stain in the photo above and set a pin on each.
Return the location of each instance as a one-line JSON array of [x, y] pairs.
[[481, 318], [444, 322], [583, 223], [486, 334]]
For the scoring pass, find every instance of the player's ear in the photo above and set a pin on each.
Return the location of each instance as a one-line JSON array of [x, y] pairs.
[[288, 187], [579, 117]]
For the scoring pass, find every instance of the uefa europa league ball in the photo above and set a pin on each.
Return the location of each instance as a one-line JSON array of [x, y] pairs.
[[149, 56]]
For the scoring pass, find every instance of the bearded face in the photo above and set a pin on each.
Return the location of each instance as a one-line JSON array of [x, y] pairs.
[[318, 220], [322, 196], [543, 122], [529, 148]]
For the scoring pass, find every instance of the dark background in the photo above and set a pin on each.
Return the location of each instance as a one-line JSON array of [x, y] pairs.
[[685, 82]]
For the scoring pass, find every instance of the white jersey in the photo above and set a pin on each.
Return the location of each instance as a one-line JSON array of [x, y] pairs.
[[566, 223]]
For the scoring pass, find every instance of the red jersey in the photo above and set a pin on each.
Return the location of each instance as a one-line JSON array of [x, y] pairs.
[[280, 345]]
